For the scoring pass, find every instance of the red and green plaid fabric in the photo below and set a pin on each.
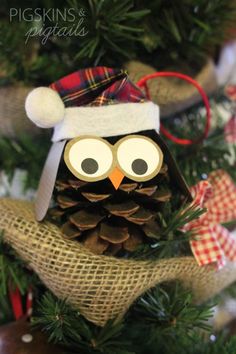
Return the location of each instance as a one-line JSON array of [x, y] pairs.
[[96, 87]]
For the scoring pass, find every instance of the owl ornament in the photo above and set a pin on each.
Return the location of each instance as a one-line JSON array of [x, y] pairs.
[[111, 170], [109, 175]]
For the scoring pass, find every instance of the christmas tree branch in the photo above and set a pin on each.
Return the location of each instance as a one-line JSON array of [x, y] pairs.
[[12, 270], [170, 320], [27, 153], [13, 274], [170, 241], [163, 316], [161, 33], [68, 327], [198, 160]]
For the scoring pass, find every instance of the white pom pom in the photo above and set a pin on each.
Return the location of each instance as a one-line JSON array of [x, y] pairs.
[[44, 107]]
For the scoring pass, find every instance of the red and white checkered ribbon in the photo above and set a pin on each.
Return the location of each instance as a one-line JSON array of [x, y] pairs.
[[213, 243], [17, 303]]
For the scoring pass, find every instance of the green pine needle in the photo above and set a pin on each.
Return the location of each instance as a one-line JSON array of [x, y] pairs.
[[168, 316], [27, 153], [68, 327], [165, 34], [170, 241], [12, 270]]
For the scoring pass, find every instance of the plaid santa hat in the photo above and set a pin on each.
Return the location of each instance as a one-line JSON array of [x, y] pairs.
[[95, 101]]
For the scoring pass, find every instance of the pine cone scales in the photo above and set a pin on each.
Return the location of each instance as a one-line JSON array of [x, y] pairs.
[[109, 221]]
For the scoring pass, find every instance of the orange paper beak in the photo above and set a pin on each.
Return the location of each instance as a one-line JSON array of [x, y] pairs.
[[116, 177]]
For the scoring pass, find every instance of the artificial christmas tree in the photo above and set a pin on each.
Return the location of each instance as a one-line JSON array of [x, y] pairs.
[[103, 288], [133, 300]]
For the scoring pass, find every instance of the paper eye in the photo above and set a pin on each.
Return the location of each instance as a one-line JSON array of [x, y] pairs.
[[139, 157], [89, 159]]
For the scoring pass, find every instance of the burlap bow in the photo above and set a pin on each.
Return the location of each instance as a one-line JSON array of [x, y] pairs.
[[213, 243]]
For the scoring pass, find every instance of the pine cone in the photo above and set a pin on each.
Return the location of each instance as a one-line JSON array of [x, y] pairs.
[[109, 221]]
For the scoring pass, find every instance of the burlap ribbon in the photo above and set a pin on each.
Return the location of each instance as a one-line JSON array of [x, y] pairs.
[[100, 287], [214, 243]]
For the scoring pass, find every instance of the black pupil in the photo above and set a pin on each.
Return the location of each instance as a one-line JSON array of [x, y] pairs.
[[89, 166], [139, 166]]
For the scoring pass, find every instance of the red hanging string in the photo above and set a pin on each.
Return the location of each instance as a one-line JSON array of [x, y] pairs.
[[143, 83]]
